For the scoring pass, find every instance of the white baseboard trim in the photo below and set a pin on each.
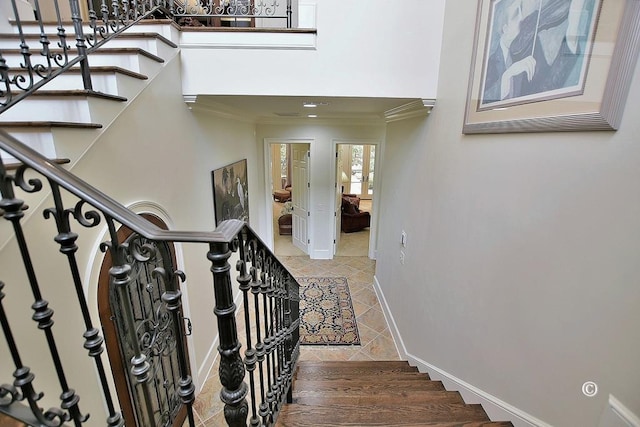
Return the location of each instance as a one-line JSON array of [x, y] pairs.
[[623, 413], [397, 338], [205, 369], [496, 409]]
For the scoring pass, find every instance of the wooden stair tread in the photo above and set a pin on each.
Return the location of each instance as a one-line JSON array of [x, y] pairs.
[[380, 414], [102, 50], [78, 92], [49, 124], [100, 69]]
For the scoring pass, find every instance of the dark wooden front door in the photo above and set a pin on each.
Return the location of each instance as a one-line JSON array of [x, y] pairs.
[[156, 402]]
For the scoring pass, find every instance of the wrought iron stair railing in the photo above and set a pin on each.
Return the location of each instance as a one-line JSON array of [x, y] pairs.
[[269, 294]]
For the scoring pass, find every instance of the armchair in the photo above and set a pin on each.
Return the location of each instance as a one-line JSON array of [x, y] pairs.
[[352, 219]]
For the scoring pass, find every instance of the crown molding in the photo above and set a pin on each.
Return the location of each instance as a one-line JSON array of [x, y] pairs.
[[418, 108], [216, 109]]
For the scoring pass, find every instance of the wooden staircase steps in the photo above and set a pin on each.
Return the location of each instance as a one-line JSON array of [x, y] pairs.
[[387, 393]]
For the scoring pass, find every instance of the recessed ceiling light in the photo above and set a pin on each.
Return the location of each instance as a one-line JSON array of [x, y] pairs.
[[310, 104], [312, 115]]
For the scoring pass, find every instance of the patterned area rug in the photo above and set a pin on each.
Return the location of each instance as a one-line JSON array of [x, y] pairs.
[[326, 312]]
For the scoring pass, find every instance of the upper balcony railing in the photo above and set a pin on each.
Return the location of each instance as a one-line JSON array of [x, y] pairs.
[[231, 13]]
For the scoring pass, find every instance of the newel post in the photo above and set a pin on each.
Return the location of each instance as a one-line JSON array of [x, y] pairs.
[[234, 389]]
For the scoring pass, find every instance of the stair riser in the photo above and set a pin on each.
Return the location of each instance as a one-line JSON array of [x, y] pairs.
[[106, 83], [130, 61], [42, 142], [63, 109], [155, 46], [150, 45], [55, 142]]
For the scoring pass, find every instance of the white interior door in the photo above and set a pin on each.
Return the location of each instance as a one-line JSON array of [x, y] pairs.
[[300, 197], [338, 202]]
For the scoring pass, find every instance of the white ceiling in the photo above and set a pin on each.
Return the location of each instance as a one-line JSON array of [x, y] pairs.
[[275, 108]]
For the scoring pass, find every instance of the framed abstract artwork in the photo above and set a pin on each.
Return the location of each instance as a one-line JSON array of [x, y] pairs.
[[231, 192], [551, 65]]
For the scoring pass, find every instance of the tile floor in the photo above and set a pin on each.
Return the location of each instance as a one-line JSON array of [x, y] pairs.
[[376, 340]]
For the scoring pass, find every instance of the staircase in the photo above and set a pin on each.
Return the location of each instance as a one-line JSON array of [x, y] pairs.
[[62, 119], [375, 393]]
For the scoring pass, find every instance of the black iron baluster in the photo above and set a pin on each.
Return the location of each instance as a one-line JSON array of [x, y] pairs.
[[5, 83], [234, 389], [173, 303], [43, 315], [40, 69], [121, 279], [282, 374], [67, 240], [80, 44], [19, 80], [250, 353], [63, 58], [280, 383], [272, 398], [105, 14], [288, 348], [264, 290], [260, 346], [24, 378]]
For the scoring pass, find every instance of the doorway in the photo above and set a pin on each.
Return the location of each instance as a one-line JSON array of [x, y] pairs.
[[355, 172], [289, 178], [156, 402]]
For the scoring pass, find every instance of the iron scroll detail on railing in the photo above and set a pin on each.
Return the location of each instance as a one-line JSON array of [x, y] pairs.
[[255, 382]]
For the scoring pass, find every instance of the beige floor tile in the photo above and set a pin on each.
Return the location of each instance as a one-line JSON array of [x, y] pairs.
[[381, 348], [359, 308], [366, 296], [374, 319], [366, 334]]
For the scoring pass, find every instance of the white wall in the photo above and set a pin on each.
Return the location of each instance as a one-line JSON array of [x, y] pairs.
[[523, 253], [322, 138], [377, 49]]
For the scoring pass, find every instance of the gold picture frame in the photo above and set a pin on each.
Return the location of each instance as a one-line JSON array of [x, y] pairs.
[[568, 68]]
